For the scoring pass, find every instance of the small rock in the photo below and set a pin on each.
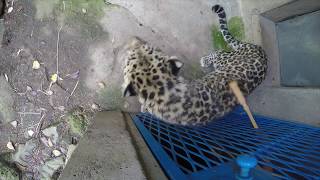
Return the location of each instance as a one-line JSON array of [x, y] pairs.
[[29, 88], [51, 133], [14, 124], [95, 106], [49, 92], [6, 76], [30, 133], [10, 146], [61, 108], [84, 10], [101, 85], [126, 105], [10, 9], [33, 93], [56, 153]]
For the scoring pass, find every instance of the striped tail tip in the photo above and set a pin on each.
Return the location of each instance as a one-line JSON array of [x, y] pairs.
[[217, 8]]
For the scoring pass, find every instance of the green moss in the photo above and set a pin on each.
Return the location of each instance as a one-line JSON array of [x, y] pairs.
[[6, 157], [83, 13], [44, 8], [111, 98], [236, 28], [78, 122], [93, 8], [8, 173]]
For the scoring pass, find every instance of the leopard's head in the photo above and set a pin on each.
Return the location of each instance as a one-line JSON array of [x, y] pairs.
[[147, 70]]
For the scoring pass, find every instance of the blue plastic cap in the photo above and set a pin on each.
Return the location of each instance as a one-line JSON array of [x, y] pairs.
[[246, 161]]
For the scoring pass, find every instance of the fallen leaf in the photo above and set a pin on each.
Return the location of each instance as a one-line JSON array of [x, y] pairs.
[[54, 78], [35, 64]]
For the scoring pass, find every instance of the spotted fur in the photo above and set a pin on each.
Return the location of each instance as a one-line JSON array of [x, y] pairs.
[[154, 78]]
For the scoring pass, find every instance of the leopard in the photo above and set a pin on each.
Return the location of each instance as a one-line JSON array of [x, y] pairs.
[[155, 78]]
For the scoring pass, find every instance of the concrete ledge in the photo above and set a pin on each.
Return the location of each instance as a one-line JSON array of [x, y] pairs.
[[150, 165], [105, 152], [296, 104]]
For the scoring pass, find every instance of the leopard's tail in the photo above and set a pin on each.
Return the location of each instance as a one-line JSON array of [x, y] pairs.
[[232, 42]]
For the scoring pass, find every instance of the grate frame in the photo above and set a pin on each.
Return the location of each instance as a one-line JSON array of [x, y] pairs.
[[288, 150]]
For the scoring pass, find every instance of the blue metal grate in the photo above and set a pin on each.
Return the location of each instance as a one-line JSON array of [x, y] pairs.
[[287, 150]]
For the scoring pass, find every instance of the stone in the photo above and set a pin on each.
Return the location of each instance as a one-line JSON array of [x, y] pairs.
[[6, 102]]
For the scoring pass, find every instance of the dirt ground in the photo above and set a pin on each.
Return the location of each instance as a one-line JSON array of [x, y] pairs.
[[40, 103]]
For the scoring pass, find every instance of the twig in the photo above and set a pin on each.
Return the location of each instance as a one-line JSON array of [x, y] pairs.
[[64, 5], [39, 124], [32, 31], [73, 90], [24, 113], [57, 52], [18, 52]]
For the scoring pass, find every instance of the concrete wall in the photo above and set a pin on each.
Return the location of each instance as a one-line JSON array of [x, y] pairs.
[[186, 29], [271, 99]]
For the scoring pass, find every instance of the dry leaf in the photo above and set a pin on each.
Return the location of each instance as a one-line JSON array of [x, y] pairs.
[[10, 145], [54, 78], [35, 64], [84, 10]]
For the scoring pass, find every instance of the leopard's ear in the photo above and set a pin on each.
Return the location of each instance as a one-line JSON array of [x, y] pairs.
[[128, 90], [175, 65]]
